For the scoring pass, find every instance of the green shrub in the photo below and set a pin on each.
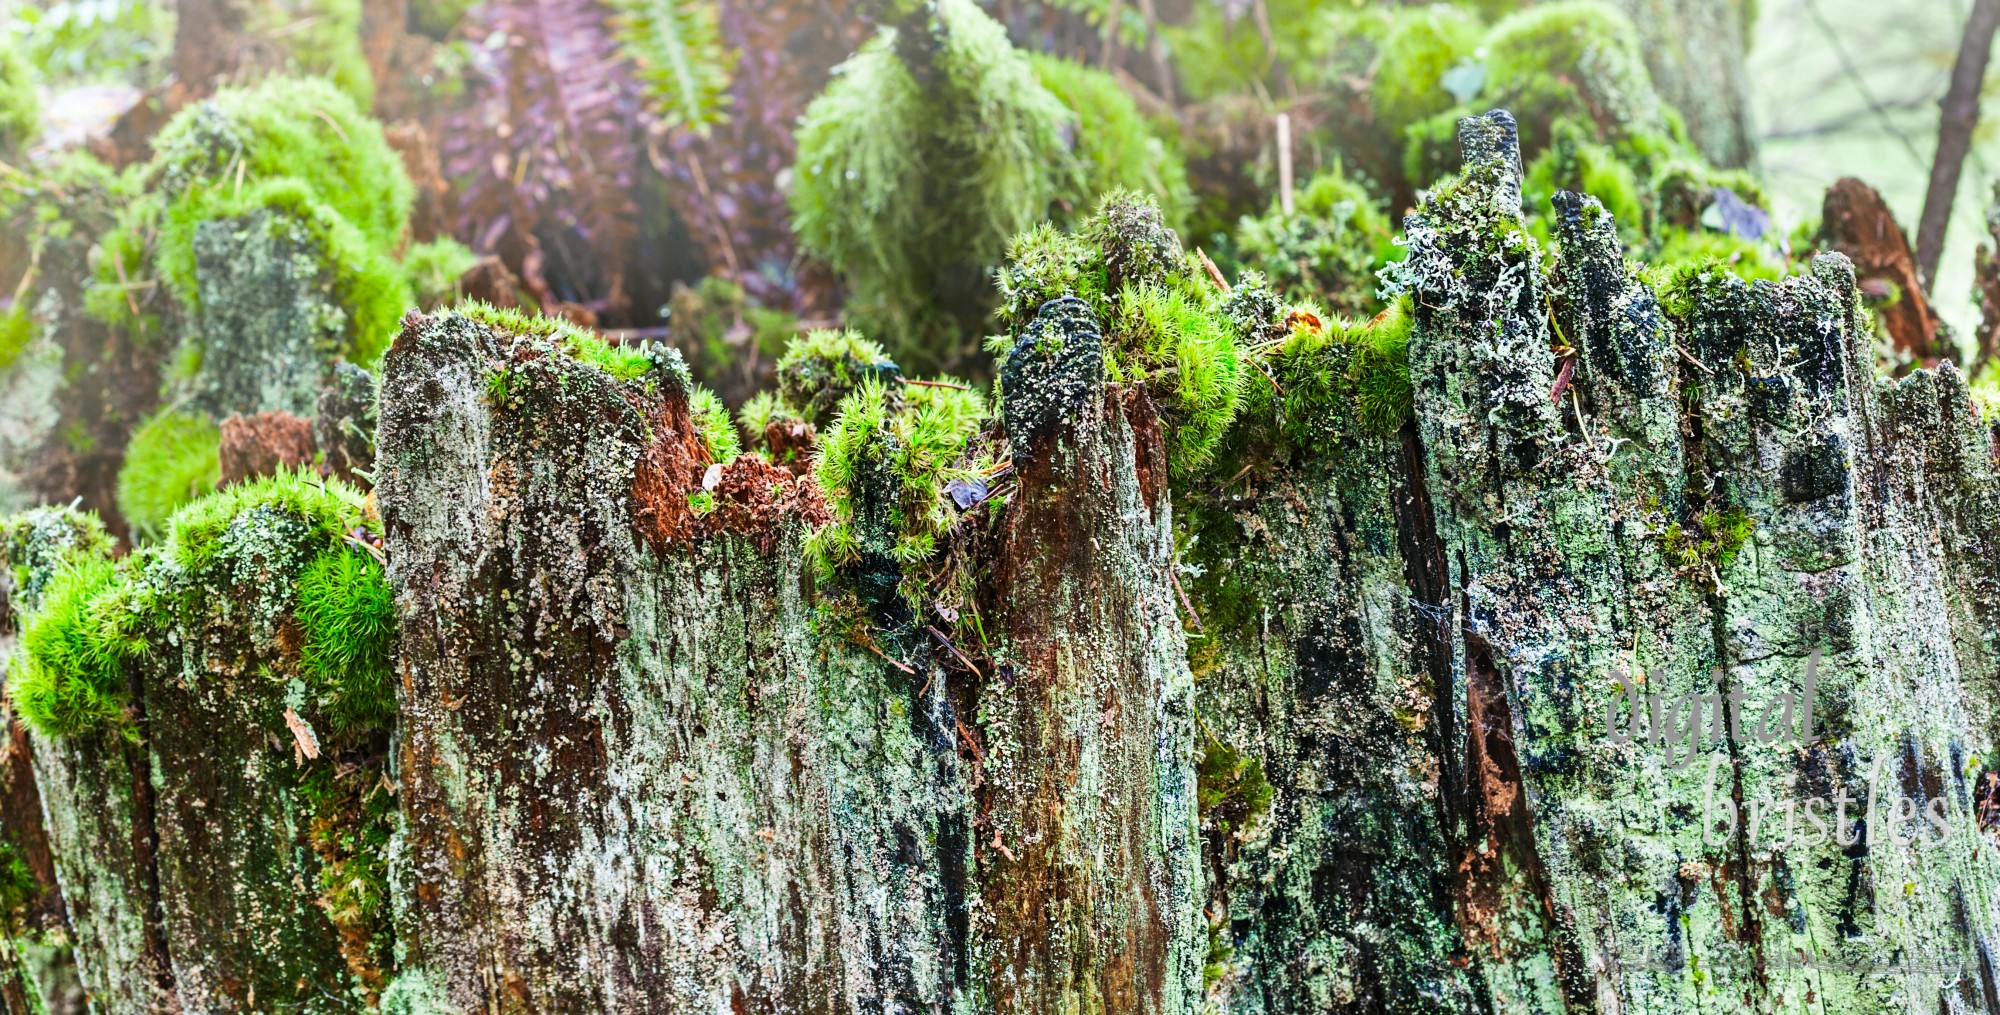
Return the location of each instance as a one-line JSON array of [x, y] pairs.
[[171, 460]]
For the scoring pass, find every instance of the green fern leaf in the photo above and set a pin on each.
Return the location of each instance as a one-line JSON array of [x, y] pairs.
[[682, 63]]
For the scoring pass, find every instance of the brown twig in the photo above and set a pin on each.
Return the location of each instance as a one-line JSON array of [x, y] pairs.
[[946, 642], [1213, 271], [1699, 365], [937, 384], [969, 740], [869, 644], [1186, 603]]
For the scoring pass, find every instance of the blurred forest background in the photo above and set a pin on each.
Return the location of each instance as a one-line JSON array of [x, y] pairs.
[[726, 176]]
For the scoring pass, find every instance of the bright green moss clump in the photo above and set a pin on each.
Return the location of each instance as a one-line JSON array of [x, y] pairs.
[[711, 419], [298, 128], [819, 371], [171, 460], [329, 508], [68, 677], [348, 618], [885, 464], [929, 149], [1163, 314]]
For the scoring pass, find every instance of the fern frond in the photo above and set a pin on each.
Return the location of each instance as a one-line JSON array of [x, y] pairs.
[[682, 62]]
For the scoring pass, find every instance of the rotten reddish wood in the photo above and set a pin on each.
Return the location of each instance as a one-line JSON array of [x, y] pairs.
[[1857, 222], [260, 445]]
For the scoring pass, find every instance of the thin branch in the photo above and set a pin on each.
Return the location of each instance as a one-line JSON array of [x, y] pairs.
[[1959, 115]]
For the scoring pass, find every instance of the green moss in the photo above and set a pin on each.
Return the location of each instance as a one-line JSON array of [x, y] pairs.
[[34, 542], [20, 105], [1380, 370], [1188, 350], [17, 332], [1715, 537], [18, 888], [1231, 793], [1574, 162], [711, 420], [433, 270], [917, 446], [624, 362], [305, 129], [757, 414], [1115, 148], [910, 180], [1134, 242], [1549, 59], [1046, 263], [352, 815], [820, 369], [1421, 46], [1573, 63], [1327, 249], [1703, 250], [170, 461], [347, 617], [69, 676], [330, 509]]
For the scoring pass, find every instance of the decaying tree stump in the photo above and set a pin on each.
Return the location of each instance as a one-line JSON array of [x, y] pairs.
[[1502, 707]]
